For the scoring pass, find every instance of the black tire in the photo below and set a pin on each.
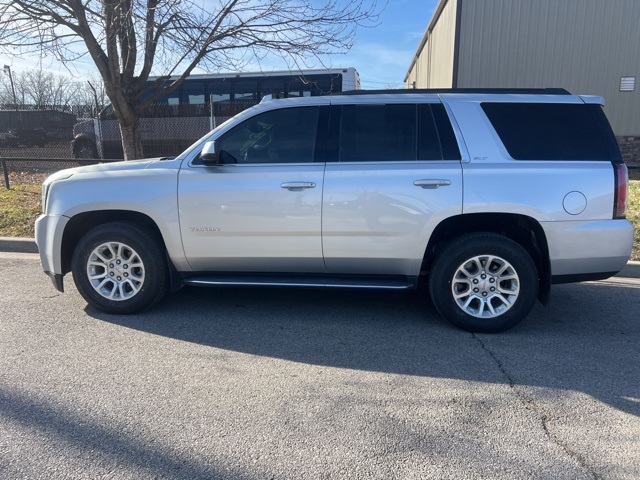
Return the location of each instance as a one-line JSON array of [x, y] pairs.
[[120, 288], [492, 303], [85, 150]]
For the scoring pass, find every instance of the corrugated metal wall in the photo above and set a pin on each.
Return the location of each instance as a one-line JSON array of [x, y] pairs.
[[441, 48], [433, 66], [584, 46]]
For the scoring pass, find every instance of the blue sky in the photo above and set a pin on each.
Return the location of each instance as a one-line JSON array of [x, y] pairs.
[[381, 54]]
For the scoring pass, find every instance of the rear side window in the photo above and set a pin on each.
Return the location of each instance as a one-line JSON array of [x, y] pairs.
[[396, 132], [446, 137], [551, 131], [378, 133]]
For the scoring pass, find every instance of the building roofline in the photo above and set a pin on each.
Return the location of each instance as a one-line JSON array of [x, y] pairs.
[[517, 91], [427, 34]]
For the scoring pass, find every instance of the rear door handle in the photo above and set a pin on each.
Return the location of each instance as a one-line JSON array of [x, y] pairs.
[[298, 186], [432, 183]]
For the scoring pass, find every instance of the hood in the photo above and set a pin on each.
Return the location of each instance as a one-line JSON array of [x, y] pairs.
[[113, 167]]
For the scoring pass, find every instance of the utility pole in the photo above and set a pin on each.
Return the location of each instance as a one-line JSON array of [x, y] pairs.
[[95, 97], [7, 70]]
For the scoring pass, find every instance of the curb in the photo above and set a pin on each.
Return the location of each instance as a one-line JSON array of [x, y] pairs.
[[18, 245], [632, 270]]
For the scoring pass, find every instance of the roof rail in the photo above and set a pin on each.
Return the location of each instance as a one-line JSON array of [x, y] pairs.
[[520, 91]]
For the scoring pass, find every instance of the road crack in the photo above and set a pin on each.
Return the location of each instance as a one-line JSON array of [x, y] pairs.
[[531, 405]]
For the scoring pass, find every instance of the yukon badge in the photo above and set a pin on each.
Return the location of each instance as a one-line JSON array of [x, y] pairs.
[[205, 229]]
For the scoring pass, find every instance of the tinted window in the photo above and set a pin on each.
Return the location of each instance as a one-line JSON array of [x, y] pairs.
[[245, 90], [193, 93], [219, 89], [272, 86], [313, 85], [448, 142], [378, 133], [429, 147], [279, 136], [396, 133], [539, 131]]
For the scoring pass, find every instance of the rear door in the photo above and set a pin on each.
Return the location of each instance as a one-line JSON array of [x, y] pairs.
[[393, 173]]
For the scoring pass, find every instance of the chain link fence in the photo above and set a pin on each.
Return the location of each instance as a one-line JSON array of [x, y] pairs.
[[166, 129], [45, 132], [30, 136], [50, 138]]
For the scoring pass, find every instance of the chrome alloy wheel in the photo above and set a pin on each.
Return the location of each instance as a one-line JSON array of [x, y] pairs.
[[485, 286], [115, 271]]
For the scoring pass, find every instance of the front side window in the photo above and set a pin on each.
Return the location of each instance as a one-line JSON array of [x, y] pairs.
[[285, 135]]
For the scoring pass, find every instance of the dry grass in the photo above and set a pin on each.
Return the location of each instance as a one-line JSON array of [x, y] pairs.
[[633, 214], [20, 206]]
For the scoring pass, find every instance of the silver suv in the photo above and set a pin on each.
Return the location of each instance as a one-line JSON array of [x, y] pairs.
[[489, 196]]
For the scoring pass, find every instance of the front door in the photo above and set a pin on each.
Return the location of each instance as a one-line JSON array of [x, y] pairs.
[[260, 209]]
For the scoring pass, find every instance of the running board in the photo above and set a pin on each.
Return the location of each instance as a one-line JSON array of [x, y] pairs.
[[307, 281]]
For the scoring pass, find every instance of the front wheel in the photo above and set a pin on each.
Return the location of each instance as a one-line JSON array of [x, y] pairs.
[[484, 282], [120, 267]]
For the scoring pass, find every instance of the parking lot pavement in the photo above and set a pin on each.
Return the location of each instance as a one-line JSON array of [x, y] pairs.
[[290, 384]]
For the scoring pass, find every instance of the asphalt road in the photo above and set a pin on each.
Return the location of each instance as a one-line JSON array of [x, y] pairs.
[[297, 384]]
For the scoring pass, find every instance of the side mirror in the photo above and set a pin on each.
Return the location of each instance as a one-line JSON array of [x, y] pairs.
[[208, 154]]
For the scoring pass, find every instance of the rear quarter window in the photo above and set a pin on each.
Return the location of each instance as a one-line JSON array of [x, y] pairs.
[[553, 131]]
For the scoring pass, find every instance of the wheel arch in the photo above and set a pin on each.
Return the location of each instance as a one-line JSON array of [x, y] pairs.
[[524, 230], [80, 224]]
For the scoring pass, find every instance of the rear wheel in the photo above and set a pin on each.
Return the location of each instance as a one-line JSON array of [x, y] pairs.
[[120, 267], [484, 282]]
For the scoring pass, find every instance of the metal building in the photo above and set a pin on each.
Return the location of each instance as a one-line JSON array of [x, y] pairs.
[[584, 46]]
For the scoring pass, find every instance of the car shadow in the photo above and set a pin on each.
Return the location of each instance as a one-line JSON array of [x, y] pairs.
[[586, 341]]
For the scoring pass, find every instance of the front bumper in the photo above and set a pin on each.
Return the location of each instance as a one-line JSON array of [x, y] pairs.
[[57, 280], [49, 232]]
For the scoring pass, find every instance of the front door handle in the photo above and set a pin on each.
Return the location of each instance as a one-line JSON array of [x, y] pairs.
[[298, 186], [432, 183]]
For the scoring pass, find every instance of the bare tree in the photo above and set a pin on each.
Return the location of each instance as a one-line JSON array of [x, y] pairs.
[[7, 90], [128, 39], [41, 88], [36, 88], [92, 93]]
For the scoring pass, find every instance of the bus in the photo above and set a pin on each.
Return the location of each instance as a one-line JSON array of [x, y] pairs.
[[202, 102]]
